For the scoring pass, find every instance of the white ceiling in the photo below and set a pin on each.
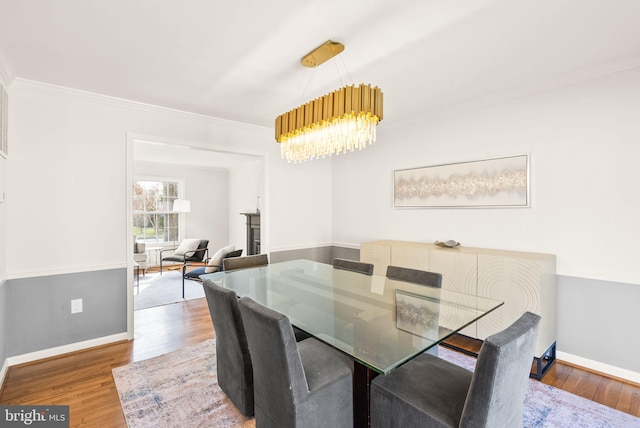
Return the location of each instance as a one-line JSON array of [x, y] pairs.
[[241, 60]]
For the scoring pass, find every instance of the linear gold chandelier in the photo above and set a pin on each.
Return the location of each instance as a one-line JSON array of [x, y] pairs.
[[342, 120]]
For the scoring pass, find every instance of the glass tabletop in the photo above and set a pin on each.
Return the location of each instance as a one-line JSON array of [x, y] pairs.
[[379, 322]]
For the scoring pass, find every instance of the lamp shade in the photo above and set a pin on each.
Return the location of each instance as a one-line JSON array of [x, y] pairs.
[[182, 206]]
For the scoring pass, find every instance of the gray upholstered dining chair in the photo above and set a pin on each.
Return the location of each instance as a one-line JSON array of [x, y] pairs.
[[257, 260], [420, 277], [431, 392], [352, 265], [415, 276], [305, 384], [245, 262], [235, 372]]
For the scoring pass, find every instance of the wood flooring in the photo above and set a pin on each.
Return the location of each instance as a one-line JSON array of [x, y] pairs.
[[83, 379]]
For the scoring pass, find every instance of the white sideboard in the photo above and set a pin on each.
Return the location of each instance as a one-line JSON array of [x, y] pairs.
[[524, 281]]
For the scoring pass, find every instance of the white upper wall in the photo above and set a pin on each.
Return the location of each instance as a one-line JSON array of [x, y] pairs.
[[3, 220], [5, 79], [66, 178], [68, 170], [245, 185], [583, 146]]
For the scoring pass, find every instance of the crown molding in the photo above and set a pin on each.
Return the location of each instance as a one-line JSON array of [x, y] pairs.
[[601, 70], [48, 88]]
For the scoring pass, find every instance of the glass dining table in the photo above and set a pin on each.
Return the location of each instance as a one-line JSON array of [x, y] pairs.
[[380, 323]]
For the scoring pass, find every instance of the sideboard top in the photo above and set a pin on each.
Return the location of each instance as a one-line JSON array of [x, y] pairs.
[[464, 250]]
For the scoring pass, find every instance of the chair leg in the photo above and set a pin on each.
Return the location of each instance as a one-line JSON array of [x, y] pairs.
[[160, 266], [184, 271]]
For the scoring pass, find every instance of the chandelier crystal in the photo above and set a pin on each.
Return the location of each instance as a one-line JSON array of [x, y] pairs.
[[341, 121]]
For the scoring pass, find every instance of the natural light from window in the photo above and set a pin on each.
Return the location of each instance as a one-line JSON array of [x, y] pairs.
[[153, 218]]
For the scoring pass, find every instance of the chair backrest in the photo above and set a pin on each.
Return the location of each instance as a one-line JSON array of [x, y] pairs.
[[235, 372], [139, 247], [236, 253], [354, 266], [415, 276], [278, 375], [199, 254], [245, 262], [500, 380]]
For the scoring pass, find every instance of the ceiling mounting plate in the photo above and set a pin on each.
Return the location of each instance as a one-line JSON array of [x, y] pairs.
[[322, 53]]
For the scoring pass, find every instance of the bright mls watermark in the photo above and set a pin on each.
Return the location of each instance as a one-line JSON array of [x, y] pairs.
[[34, 416]]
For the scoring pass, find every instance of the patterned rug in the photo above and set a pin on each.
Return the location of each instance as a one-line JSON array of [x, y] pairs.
[[156, 290], [549, 407], [180, 389]]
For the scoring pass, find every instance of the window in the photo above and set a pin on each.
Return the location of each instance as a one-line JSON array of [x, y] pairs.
[[153, 218]]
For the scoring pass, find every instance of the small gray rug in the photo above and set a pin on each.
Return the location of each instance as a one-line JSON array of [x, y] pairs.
[[156, 290]]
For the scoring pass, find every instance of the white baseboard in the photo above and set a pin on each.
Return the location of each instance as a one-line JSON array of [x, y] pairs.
[[65, 349], [3, 372], [599, 367]]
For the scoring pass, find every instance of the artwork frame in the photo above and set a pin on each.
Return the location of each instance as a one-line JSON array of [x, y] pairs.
[[502, 182]]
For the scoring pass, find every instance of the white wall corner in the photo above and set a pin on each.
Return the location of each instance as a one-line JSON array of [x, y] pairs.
[[3, 371], [6, 78], [597, 366]]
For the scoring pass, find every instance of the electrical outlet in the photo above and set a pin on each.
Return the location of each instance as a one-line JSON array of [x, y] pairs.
[[76, 306]]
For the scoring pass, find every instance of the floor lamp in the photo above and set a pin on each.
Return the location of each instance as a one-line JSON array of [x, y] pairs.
[[181, 206]]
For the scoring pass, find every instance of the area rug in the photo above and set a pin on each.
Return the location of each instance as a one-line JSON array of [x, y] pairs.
[[548, 407], [180, 389], [156, 290]]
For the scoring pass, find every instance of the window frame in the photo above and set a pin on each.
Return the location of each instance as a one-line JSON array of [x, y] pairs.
[[181, 217]]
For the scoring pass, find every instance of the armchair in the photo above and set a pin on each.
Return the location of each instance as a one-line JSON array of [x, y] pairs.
[[189, 250], [140, 255], [214, 264]]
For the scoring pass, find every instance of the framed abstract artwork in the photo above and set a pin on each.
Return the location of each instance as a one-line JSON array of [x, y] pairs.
[[498, 182]]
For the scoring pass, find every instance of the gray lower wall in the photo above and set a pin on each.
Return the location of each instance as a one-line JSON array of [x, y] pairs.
[[38, 310], [318, 254], [597, 319]]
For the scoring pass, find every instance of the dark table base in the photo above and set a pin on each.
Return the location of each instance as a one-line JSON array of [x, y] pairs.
[[362, 377]]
